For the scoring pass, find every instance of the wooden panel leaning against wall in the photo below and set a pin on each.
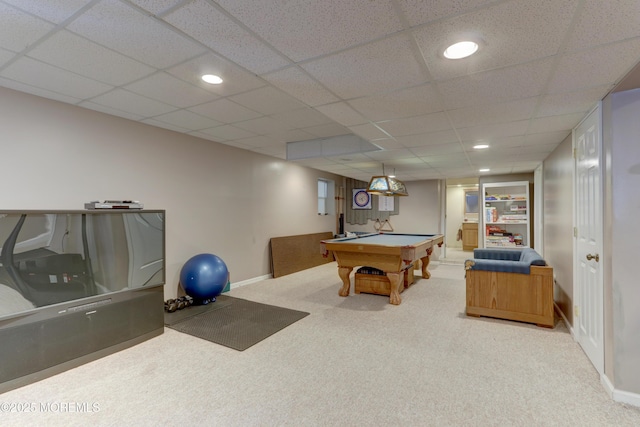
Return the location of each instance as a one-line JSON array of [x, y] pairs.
[[290, 254]]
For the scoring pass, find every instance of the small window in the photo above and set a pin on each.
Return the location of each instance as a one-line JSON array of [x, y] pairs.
[[471, 205], [326, 197], [323, 193]]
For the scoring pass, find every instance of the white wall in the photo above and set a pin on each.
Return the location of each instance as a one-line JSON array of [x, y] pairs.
[[558, 223], [218, 199], [419, 211], [621, 242]]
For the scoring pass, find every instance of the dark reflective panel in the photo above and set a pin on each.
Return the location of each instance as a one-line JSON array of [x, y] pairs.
[[49, 258]]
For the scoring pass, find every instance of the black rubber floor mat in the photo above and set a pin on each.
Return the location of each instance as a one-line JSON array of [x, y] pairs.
[[238, 323]]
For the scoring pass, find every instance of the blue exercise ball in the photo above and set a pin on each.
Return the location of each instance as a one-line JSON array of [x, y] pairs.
[[204, 277]]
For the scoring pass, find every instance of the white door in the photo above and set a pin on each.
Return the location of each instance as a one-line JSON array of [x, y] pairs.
[[588, 283]]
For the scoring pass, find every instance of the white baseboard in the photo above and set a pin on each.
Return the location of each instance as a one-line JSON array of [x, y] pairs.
[[620, 396], [249, 281], [565, 320]]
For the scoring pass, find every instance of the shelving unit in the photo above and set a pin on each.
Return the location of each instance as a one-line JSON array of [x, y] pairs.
[[505, 218]]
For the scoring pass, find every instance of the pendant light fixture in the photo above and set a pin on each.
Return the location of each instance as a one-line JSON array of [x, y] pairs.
[[384, 185]]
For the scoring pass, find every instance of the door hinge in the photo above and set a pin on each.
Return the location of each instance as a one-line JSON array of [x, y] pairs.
[[576, 311], [575, 155], [575, 231]]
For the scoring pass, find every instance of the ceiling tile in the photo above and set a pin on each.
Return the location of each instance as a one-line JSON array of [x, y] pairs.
[[520, 109], [130, 102], [157, 7], [235, 79], [546, 149], [201, 20], [342, 113], [284, 136], [227, 132], [258, 141], [419, 12], [74, 53], [262, 125], [489, 132], [312, 28], [19, 30], [416, 125], [437, 149], [187, 120], [386, 155], [555, 123], [612, 21], [387, 143], [44, 93], [431, 138], [388, 63], [297, 83], [448, 160], [5, 56], [369, 131], [56, 12], [617, 58], [30, 72], [165, 125], [225, 111], [545, 137], [408, 102], [367, 68], [112, 111], [174, 91], [115, 24], [267, 100], [495, 144], [431, 173], [302, 118], [511, 33], [327, 130], [490, 87], [571, 102]]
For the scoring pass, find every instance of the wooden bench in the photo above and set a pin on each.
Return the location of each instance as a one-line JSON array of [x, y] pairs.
[[495, 291]]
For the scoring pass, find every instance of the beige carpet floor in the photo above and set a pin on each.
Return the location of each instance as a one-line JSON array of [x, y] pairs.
[[355, 361]]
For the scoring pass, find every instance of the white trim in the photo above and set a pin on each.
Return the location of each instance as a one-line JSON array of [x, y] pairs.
[[249, 281], [538, 209], [565, 320], [619, 396]]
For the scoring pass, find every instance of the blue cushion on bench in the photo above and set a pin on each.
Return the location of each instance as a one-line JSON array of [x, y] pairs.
[[506, 260]]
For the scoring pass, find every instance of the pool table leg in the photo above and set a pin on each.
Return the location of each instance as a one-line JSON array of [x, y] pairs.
[[425, 264], [344, 273], [395, 280]]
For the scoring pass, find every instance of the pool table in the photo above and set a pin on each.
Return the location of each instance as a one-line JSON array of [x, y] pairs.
[[389, 252]]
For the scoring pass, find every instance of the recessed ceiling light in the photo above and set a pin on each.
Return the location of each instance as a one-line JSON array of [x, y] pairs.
[[480, 146], [461, 50], [212, 79], [484, 170]]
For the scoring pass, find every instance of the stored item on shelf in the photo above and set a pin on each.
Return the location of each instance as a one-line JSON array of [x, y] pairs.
[[491, 214]]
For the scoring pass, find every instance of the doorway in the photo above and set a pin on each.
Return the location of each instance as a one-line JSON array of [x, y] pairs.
[[459, 210]]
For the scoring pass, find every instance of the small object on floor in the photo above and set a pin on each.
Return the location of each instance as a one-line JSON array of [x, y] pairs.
[[172, 305]]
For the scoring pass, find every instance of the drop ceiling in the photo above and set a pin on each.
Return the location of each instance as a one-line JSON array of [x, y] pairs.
[[309, 69]]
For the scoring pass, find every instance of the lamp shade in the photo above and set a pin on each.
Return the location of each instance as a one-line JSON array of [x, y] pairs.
[[386, 186]]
